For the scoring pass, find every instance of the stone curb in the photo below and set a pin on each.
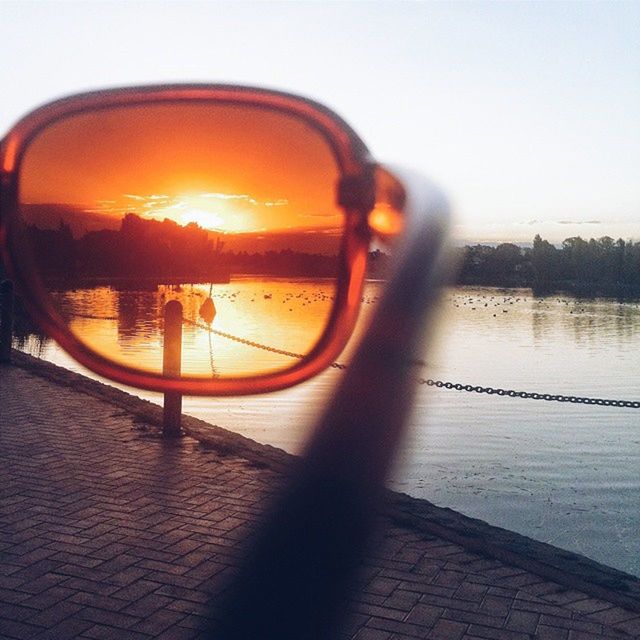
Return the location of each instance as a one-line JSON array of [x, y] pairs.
[[566, 568], [223, 441]]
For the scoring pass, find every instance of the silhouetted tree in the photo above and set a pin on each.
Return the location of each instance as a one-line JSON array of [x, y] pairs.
[[154, 252], [544, 260]]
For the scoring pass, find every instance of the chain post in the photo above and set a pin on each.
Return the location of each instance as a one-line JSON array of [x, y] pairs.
[[171, 368], [6, 320]]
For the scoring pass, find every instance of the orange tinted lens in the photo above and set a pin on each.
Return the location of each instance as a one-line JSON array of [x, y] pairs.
[[230, 210]]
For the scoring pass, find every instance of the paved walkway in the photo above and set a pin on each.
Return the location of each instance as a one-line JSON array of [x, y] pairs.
[[106, 531]]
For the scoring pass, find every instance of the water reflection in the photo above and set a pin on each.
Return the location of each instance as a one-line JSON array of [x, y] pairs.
[[110, 285], [27, 336], [126, 324], [575, 464], [138, 316], [578, 319], [585, 321]]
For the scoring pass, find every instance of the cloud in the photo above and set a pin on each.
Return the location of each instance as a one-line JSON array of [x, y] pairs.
[[534, 222], [331, 214], [225, 196], [108, 210], [579, 222], [281, 202], [163, 201]]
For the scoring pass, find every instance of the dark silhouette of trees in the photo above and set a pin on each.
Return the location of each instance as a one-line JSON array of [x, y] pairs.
[[154, 252], [54, 249], [545, 263], [601, 266], [285, 262], [151, 249], [150, 252], [505, 265]]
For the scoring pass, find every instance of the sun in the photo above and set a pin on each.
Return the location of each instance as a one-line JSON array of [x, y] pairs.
[[214, 211], [205, 219], [210, 210]]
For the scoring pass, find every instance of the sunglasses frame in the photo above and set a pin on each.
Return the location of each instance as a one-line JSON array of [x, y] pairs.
[[356, 194]]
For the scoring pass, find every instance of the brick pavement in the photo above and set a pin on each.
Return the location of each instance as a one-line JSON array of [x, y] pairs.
[[107, 531]]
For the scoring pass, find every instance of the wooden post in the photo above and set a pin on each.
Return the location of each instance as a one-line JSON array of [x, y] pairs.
[[171, 367], [6, 320]]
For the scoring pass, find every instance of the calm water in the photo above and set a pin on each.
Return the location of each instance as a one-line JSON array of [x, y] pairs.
[[128, 324], [564, 474]]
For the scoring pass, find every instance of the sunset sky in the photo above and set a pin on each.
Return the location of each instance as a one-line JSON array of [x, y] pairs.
[[526, 113], [224, 168]]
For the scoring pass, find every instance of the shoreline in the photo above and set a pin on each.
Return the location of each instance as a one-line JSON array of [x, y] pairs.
[[576, 290], [569, 569]]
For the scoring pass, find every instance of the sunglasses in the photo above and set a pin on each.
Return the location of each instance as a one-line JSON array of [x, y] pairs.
[[203, 239]]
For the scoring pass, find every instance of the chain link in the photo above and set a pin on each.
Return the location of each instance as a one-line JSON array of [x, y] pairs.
[[93, 317], [549, 397], [440, 384], [250, 343], [511, 393], [258, 345]]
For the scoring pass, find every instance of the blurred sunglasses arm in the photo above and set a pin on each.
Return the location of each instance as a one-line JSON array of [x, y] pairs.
[[296, 579], [359, 433]]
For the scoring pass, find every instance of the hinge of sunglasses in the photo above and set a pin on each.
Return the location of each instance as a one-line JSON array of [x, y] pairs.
[[379, 196], [358, 191], [387, 218]]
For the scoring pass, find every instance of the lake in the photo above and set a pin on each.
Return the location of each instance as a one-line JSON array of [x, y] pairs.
[[561, 473]]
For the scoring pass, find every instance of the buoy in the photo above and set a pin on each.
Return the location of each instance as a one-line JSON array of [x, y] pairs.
[[208, 311]]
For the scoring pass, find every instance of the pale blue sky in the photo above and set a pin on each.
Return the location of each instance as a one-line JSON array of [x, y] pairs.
[[528, 114]]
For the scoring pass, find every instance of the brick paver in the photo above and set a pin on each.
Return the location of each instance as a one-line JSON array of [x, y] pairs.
[[107, 531]]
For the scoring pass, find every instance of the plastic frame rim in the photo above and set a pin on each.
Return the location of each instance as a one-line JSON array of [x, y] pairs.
[[353, 160]]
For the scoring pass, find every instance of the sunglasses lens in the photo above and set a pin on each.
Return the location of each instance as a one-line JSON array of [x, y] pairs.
[[230, 210]]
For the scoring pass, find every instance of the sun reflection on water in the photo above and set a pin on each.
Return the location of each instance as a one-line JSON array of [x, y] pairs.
[[127, 325]]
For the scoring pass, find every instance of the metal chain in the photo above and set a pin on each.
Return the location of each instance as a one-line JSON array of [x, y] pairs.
[[258, 345], [550, 397], [440, 384], [92, 317], [249, 343]]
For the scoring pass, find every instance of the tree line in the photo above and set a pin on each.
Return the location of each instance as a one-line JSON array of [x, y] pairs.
[[159, 250], [154, 252], [139, 249], [599, 266]]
